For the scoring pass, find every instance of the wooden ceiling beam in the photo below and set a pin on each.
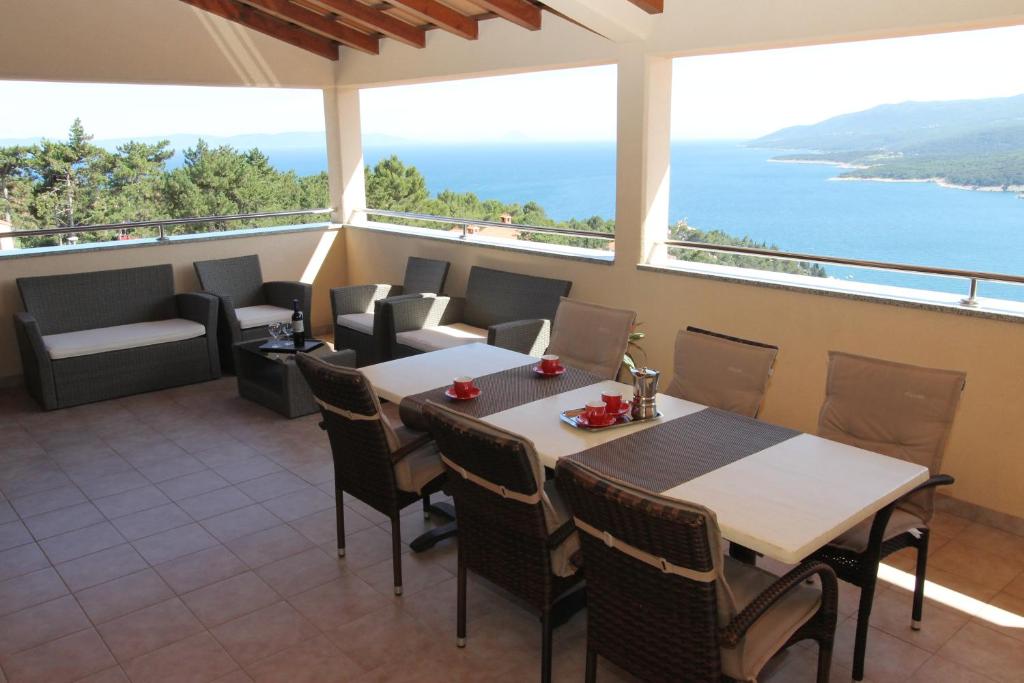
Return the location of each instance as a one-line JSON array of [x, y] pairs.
[[650, 6], [377, 20], [521, 12], [318, 23], [442, 16], [271, 26]]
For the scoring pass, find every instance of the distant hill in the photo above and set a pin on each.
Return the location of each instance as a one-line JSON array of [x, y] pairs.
[[970, 143], [263, 141]]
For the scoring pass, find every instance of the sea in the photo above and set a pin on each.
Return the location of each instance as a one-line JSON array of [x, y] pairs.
[[728, 186]]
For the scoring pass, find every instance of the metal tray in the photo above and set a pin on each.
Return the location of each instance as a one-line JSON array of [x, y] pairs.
[[569, 418]]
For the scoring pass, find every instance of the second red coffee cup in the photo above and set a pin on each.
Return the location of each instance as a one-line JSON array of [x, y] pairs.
[[463, 386], [612, 400], [596, 411], [550, 363]]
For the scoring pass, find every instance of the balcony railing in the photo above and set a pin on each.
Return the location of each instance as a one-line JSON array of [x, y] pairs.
[[466, 223], [973, 276], [162, 224]]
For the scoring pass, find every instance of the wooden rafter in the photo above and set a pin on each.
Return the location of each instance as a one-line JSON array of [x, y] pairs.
[[318, 23], [271, 26], [373, 18], [521, 12], [442, 16], [650, 6]]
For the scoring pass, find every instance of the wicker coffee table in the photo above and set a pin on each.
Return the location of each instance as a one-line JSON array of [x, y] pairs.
[[274, 381]]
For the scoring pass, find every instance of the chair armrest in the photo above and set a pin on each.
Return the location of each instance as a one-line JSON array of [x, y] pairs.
[[282, 294], [407, 448], [731, 635], [933, 481], [199, 307], [525, 336], [417, 312], [35, 360], [357, 298]]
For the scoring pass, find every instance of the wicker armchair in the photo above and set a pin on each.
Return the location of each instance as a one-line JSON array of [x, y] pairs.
[[247, 303], [514, 529], [504, 309], [88, 337], [353, 307], [720, 371], [591, 337], [906, 412], [664, 604], [387, 468]]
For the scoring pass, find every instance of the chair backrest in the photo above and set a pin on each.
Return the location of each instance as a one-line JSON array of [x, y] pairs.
[[361, 439], [591, 337], [720, 371], [424, 276], [903, 411], [104, 298], [239, 278], [497, 296], [497, 482], [654, 572]]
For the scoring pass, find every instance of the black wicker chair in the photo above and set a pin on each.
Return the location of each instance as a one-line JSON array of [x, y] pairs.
[[247, 303], [513, 529], [353, 307], [664, 604], [509, 310], [903, 411], [387, 468]]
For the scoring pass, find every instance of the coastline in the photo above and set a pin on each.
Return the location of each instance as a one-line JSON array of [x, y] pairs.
[[941, 182], [816, 162]]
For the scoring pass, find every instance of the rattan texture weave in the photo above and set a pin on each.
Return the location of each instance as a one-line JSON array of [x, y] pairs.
[[675, 451], [498, 391]]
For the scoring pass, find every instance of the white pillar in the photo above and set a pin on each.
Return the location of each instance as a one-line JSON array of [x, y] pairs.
[[643, 151], [344, 153]]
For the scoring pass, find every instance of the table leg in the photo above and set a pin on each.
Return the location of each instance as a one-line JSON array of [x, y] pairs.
[[742, 554], [430, 538]]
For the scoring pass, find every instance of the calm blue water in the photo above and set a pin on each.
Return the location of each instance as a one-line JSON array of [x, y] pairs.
[[729, 187]]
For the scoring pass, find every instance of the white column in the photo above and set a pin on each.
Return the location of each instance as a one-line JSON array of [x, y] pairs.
[[344, 153], [642, 165]]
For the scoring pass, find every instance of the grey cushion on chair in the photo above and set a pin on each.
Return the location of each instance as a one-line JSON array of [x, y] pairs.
[[591, 337], [903, 411], [719, 371]]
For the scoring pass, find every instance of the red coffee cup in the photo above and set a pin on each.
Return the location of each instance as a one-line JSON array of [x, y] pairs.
[[463, 386], [550, 363], [612, 400], [596, 411]]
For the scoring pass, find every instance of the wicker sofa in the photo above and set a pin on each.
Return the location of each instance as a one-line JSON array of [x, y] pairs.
[[510, 310], [87, 337]]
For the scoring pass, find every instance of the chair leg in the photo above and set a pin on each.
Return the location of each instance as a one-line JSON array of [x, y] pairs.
[[460, 626], [860, 644], [591, 675], [922, 567], [426, 506], [396, 552], [339, 516], [545, 656], [824, 661]]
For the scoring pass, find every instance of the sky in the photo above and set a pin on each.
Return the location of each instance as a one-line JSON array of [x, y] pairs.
[[732, 96]]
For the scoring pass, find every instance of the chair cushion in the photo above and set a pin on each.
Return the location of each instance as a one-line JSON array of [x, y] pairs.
[[442, 337], [419, 468], [360, 322], [555, 515], [773, 629], [119, 337], [856, 539], [591, 337], [257, 316]]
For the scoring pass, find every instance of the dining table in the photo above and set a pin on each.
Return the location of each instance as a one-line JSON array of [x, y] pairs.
[[774, 490]]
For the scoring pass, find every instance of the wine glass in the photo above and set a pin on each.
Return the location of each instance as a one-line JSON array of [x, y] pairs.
[[275, 330]]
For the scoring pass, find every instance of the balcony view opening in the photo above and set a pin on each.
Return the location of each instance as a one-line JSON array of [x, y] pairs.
[[906, 151]]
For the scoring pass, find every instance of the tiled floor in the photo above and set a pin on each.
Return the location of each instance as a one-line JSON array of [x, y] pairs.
[[189, 535]]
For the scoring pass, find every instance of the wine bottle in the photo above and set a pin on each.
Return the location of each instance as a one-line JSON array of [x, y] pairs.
[[298, 326]]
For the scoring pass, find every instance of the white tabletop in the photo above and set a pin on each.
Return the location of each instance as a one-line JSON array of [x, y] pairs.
[[395, 379], [785, 501]]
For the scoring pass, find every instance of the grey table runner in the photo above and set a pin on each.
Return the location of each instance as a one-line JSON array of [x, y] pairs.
[[498, 391], [671, 453]]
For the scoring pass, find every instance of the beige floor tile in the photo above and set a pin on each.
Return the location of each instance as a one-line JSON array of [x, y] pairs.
[[149, 629], [339, 602], [124, 595], [892, 613], [419, 572], [272, 485], [191, 572], [299, 504], [302, 571], [987, 652], [30, 589], [114, 674], [21, 559], [74, 544], [213, 503], [135, 500], [985, 567], [264, 632], [191, 485], [100, 567], [197, 659], [65, 659], [54, 499], [240, 522], [939, 670], [39, 624], [374, 639], [364, 548], [888, 659], [170, 545], [1010, 620], [264, 547], [313, 661], [148, 522], [228, 599]]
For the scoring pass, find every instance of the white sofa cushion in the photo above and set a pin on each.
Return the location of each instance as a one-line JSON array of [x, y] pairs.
[[360, 322], [442, 337], [257, 316], [119, 337]]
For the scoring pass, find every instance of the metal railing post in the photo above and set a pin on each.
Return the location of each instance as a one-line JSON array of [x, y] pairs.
[[465, 231], [162, 237], [972, 298]]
